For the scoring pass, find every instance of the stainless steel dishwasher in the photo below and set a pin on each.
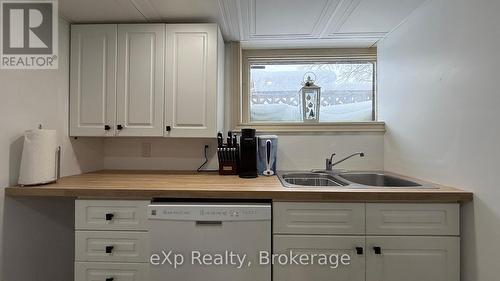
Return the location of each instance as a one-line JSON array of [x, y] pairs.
[[216, 241]]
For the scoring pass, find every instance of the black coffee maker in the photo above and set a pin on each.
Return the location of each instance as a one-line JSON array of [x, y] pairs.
[[248, 154]]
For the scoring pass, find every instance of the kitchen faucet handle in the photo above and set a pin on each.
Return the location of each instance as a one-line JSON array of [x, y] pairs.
[[328, 162], [331, 157]]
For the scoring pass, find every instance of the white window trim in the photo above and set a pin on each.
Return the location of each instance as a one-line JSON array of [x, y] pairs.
[[246, 57]]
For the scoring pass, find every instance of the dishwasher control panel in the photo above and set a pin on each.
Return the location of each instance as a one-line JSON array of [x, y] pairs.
[[209, 212]]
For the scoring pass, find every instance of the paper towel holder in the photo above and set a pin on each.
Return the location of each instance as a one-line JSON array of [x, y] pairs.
[[58, 169]]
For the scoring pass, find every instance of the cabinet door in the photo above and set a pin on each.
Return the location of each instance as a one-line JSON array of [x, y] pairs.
[[191, 80], [92, 90], [413, 258], [140, 80], [315, 244]]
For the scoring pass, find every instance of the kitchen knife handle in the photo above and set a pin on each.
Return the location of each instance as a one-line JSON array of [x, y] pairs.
[[219, 139]]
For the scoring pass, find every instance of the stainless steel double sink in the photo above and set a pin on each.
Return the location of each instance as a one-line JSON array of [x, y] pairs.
[[345, 180]]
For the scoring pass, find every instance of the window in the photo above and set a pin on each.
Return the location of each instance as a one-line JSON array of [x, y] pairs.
[[347, 91], [272, 80]]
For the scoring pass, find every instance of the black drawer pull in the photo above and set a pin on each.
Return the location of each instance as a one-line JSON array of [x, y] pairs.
[[208, 223], [377, 250], [359, 250], [119, 127], [107, 127], [168, 128], [109, 216], [109, 249], [110, 279]]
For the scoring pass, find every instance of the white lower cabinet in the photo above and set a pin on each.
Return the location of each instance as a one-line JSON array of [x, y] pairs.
[[313, 245], [399, 242], [112, 240], [93, 271], [412, 258], [384, 242]]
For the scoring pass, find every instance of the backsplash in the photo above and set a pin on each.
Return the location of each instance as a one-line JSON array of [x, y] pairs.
[[295, 152]]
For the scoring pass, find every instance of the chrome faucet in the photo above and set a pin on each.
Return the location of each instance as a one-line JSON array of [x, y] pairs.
[[329, 161]]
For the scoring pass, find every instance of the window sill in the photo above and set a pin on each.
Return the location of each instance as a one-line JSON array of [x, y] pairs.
[[374, 126]]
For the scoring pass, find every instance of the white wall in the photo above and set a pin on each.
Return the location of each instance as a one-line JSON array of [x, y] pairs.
[[29, 98], [439, 96], [295, 152]]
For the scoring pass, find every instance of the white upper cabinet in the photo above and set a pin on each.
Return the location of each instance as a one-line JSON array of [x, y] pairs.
[[193, 79], [140, 84], [147, 80], [92, 90]]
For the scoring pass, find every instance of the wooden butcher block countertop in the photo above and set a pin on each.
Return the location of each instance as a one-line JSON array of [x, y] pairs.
[[154, 184]]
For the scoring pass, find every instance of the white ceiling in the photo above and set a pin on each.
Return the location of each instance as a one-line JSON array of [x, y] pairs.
[[260, 23]]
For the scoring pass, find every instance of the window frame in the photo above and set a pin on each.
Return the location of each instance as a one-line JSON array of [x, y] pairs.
[[253, 56]]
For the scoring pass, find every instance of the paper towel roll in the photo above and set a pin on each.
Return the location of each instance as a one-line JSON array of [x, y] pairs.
[[38, 163]]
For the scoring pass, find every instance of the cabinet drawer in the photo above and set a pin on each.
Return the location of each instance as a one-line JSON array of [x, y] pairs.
[[111, 214], [112, 246], [93, 271], [318, 218], [412, 219]]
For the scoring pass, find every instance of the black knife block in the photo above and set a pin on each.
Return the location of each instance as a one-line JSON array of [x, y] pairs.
[[228, 160]]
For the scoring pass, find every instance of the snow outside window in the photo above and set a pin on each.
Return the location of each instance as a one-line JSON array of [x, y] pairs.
[[347, 91]]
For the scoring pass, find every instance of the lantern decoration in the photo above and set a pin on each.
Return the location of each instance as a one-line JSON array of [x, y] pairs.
[[311, 95]]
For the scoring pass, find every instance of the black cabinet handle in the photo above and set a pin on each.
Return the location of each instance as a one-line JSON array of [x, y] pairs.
[[110, 279], [377, 250], [109, 216], [109, 249], [119, 127], [359, 250], [107, 127], [168, 128]]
